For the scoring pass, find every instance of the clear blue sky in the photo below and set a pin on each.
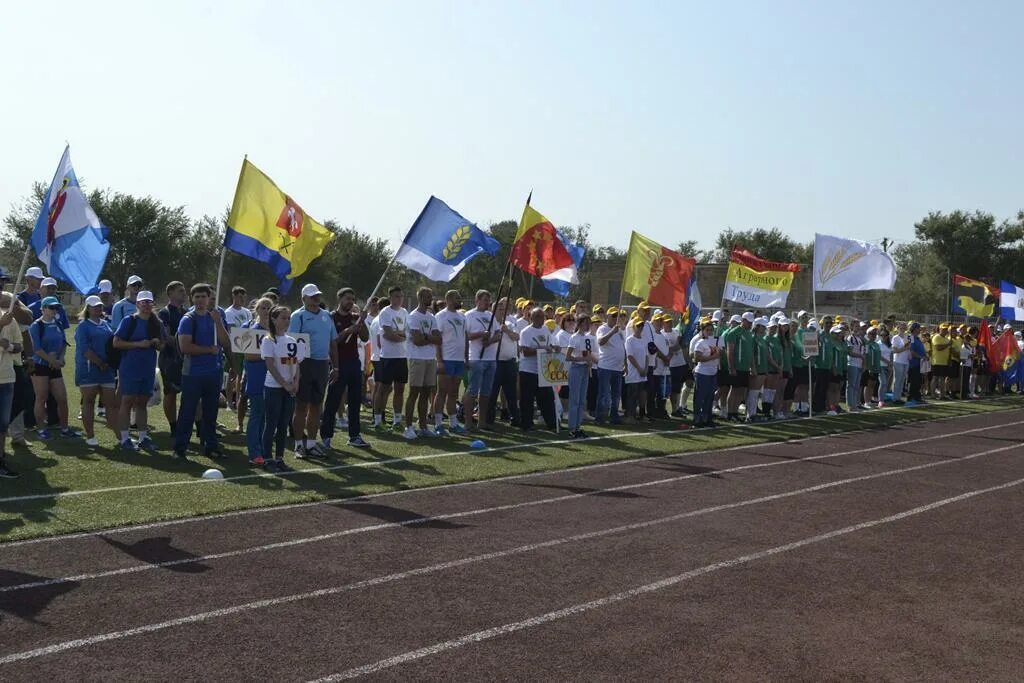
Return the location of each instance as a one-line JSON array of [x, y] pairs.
[[672, 118]]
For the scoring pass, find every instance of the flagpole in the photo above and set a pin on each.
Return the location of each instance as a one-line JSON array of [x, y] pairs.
[[224, 246], [508, 295], [810, 365], [21, 273]]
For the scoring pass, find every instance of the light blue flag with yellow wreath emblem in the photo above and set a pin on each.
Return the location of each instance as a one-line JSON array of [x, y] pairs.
[[441, 242]]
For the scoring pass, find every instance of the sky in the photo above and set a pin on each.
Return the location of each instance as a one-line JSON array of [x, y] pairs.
[[675, 119]]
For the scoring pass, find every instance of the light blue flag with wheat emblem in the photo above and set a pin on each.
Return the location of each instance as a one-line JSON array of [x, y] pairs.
[[441, 242]]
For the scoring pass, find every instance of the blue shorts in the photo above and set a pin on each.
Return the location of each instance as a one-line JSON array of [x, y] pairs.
[[95, 377], [481, 377], [137, 386], [454, 368]]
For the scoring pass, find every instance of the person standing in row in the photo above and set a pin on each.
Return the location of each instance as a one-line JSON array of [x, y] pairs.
[[236, 315], [283, 356], [581, 355], [533, 339], [506, 374], [705, 357], [255, 379], [611, 345], [129, 304], [138, 339], [452, 355], [319, 369], [10, 349], [482, 334], [394, 359], [422, 341], [170, 359], [350, 328], [636, 374], [50, 344], [202, 337], [93, 374]]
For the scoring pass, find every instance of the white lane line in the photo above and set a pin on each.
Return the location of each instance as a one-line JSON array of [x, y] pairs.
[[377, 463], [146, 566], [639, 591], [77, 643], [478, 482]]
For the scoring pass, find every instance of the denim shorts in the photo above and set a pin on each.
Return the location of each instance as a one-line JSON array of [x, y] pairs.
[[481, 377]]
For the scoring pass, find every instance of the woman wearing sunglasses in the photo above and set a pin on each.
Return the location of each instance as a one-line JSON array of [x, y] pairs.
[[50, 344]]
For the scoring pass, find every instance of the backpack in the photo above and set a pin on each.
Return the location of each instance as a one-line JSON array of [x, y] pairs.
[[115, 355]]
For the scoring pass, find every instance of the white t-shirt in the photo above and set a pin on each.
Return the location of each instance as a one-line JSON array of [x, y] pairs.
[[374, 340], [396, 321], [560, 338], [237, 317], [582, 342], [287, 354], [886, 351], [522, 324], [678, 357], [660, 367], [426, 323], [966, 353], [855, 343], [478, 321], [509, 347], [706, 367], [612, 352], [453, 334], [696, 340], [533, 338], [637, 348], [900, 350]]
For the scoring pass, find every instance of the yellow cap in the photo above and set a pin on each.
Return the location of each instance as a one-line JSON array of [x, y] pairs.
[[598, 309], [550, 324], [548, 307], [613, 311], [520, 301], [643, 304], [596, 319], [874, 323], [561, 310], [572, 309]]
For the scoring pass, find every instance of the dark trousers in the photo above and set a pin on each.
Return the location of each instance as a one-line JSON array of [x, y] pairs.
[[205, 390], [819, 398], [22, 397], [592, 392], [506, 376], [280, 408], [350, 378], [530, 393], [704, 398], [914, 393], [652, 393], [630, 399]]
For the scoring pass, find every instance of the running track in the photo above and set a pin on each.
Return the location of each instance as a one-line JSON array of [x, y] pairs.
[[889, 554]]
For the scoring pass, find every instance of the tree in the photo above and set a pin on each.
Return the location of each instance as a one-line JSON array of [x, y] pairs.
[[974, 244], [921, 280], [770, 244], [691, 249]]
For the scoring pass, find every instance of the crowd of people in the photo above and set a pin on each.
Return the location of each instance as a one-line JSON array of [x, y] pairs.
[[441, 368]]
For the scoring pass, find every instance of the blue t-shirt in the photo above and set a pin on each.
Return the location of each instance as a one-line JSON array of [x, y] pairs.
[[121, 310], [203, 331], [320, 329], [47, 336], [90, 336], [255, 371], [137, 363], [37, 312], [29, 298], [916, 346]]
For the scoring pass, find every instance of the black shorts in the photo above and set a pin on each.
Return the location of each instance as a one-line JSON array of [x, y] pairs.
[[46, 371], [170, 376], [741, 379], [393, 370], [942, 371], [723, 377], [680, 376], [313, 378], [789, 391], [563, 392], [837, 379], [868, 377]]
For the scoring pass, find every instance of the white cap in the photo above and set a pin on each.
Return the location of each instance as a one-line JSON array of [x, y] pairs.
[[717, 316], [734, 319], [34, 271], [93, 300], [776, 315], [1017, 333], [812, 325], [748, 317], [773, 322], [801, 314], [786, 321], [144, 295], [48, 282], [836, 329], [761, 322], [134, 280], [311, 290], [1007, 327], [106, 287]]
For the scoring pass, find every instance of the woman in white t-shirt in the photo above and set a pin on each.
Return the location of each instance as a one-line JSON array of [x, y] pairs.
[[282, 355], [581, 352], [636, 373], [705, 373], [560, 344]]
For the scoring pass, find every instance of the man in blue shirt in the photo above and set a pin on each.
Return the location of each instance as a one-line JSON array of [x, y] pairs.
[[48, 287], [33, 281], [201, 335], [917, 352], [170, 360], [126, 306], [106, 295], [316, 371]]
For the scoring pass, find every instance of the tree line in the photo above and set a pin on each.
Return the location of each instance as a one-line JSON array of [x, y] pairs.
[[162, 243]]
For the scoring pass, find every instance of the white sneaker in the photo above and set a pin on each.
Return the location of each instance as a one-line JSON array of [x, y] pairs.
[[410, 433], [92, 442], [831, 413], [102, 412], [341, 423]]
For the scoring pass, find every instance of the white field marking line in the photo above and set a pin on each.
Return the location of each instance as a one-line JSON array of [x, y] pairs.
[[68, 645], [510, 477], [639, 591], [142, 567]]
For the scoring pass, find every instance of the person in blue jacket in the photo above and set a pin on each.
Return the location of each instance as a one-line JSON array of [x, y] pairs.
[[50, 345], [93, 374]]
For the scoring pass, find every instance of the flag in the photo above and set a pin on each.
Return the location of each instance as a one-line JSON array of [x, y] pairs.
[[441, 242], [985, 340], [1004, 354], [691, 316], [756, 282], [267, 225], [542, 250], [68, 237], [657, 274], [972, 297], [844, 265], [1011, 301]]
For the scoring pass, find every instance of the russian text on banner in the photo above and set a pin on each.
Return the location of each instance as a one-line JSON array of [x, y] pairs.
[[756, 282]]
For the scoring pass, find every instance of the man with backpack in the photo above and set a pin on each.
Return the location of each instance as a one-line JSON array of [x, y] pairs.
[[170, 355], [133, 352], [201, 336]]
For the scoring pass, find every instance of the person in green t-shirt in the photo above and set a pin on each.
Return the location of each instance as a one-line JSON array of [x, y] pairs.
[[759, 368], [840, 359], [801, 374], [822, 364], [775, 383], [872, 366], [740, 355]]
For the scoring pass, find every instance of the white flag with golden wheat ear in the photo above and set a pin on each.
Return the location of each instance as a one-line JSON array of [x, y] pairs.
[[844, 265]]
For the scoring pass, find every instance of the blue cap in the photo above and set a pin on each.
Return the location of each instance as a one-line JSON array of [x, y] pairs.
[[50, 301], [477, 445]]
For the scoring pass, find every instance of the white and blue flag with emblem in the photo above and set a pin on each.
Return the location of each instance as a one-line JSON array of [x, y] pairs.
[[441, 242], [68, 236], [1011, 301]]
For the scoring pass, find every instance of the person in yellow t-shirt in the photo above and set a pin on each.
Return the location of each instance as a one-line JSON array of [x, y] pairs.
[[956, 344], [940, 361]]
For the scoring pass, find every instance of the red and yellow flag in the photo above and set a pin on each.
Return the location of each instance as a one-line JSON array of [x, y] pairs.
[[657, 274], [539, 250]]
